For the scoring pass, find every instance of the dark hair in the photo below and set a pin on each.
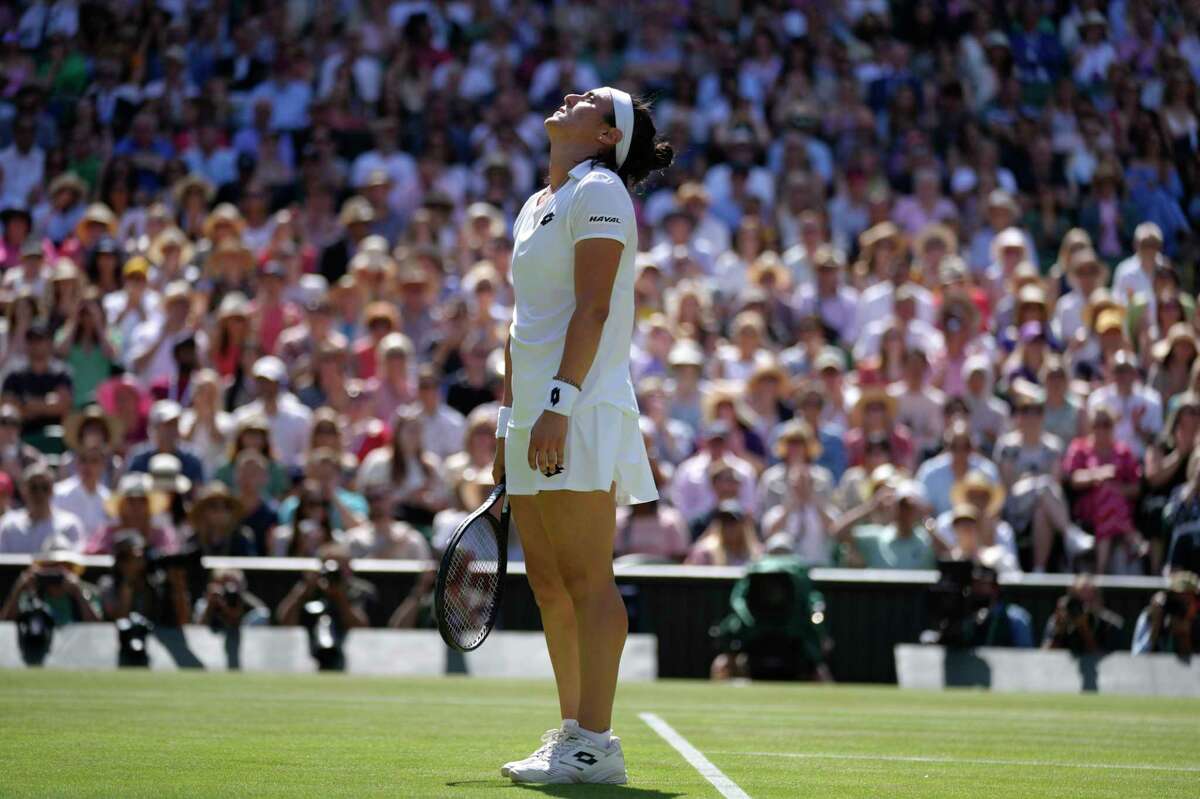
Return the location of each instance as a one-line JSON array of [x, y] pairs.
[[646, 153]]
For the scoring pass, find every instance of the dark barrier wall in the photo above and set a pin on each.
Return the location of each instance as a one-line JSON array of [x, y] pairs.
[[868, 612]]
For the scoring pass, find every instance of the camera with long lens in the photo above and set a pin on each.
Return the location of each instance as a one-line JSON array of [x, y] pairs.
[[35, 629], [324, 635], [952, 605], [232, 594], [189, 559], [50, 578], [331, 571], [776, 624], [132, 632]]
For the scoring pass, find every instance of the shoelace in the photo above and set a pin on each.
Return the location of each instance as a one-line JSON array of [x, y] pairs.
[[550, 741]]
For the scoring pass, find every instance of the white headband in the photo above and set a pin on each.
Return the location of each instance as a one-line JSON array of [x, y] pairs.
[[623, 113]]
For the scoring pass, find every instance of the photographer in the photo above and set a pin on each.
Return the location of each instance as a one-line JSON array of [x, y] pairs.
[[1081, 623], [227, 604], [1171, 623], [53, 582], [335, 583], [969, 610], [156, 591]]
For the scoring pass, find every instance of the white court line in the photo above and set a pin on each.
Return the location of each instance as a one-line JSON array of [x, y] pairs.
[[964, 760], [727, 787]]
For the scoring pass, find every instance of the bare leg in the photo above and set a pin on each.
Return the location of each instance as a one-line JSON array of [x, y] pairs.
[[1043, 537], [582, 525], [558, 613], [1103, 550]]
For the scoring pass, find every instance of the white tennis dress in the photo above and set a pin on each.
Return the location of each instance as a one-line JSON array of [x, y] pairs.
[[604, 444]]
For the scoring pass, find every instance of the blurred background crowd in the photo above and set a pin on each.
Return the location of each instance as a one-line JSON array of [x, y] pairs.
[[920, 285]]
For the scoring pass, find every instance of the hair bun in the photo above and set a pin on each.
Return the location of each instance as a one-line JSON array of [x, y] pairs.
[[664, 154]]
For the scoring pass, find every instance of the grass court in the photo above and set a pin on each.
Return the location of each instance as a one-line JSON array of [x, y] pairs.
[[141, 734]]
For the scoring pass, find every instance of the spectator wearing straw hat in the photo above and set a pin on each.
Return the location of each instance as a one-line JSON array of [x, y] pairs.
[[57, 219], [29, 273], [1085, 273], [986, 498], [1173, 359], [874, 413], [355, 220], [685, 365], [28, 529], [796, 446], [215, 526], [134, 505], [134, 303]]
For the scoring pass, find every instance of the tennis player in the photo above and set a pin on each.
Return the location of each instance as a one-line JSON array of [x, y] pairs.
[[570, 448]]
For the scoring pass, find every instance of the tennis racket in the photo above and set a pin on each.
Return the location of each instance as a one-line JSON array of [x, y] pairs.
[[470, 579]]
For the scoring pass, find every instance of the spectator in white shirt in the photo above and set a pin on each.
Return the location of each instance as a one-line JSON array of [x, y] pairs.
[[1135, 275], [84, 494], [692, 488], [1086, 273], [152, 344], [22, 167], [441, 425], [1137, 408], [289, 420], [401, 168], [27, 529]]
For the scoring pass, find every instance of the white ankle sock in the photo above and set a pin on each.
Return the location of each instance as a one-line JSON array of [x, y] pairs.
[[569, 724], [598, 738]]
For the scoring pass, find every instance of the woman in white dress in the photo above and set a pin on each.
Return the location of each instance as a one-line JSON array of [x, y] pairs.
[[570, 449]]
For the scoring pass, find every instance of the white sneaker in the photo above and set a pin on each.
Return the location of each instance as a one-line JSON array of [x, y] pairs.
[[550, 738], [574, 758]]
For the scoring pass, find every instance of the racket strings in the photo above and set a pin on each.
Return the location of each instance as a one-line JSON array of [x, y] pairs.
[[472, 583]]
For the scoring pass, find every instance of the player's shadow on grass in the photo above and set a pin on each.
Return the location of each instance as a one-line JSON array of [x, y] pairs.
[[573, 791]]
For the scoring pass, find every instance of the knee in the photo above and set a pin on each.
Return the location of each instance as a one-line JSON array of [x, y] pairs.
[[583, 587], [548, 589]]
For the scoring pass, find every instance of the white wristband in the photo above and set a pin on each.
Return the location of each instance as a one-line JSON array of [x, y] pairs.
[[502, 421], [561, 397]]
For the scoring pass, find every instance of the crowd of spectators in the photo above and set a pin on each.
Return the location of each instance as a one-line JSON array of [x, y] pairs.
[[919, 286]]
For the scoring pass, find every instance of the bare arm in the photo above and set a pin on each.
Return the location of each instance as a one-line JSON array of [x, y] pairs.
[[288, 612], [508, 394], [596, 264]]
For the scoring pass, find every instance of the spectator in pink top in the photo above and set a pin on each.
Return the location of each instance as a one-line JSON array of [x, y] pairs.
[[1105, 476], [272, 314]]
